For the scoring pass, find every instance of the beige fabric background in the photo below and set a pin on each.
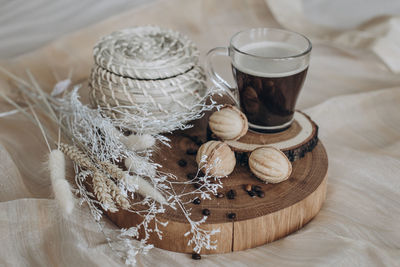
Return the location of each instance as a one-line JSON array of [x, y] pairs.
[[350, 93], [28, 25]]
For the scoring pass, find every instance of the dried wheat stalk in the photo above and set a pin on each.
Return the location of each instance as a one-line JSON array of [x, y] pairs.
[[113, 170], [101, 186], [117, 195], [102, 191], [77, 156]]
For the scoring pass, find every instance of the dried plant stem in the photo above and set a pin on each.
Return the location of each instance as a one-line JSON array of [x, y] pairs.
[[95, 147], [24, 112], [116, 194], [114, 171], [102, 191], [77, 156], [14, 77], [100, 186], [106, 186], [42, 94], [39, 123]]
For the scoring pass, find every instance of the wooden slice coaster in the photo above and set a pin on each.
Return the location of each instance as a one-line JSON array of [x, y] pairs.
[[300, 138], [285, 207]]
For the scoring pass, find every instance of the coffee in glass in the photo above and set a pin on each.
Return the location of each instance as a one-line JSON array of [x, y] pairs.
[[269, 66]]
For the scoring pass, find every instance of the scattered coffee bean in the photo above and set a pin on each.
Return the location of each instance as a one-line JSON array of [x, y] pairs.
[[248, 187], [232, 216], [182, 162], [256, 188], [231, 194], [260, 194], [196, 256], [197, 201], [251, 193], [191, 151], [220, 195], [206, 212], [191, 175]]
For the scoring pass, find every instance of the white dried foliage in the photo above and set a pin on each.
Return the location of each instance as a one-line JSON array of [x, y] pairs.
[[136, 142], [150, 190], [141, 166], [142, 121], [140, 142], [138, 184], [61, 188]]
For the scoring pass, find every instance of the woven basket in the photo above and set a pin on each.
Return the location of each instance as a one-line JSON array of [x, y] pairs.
[[147, 67]]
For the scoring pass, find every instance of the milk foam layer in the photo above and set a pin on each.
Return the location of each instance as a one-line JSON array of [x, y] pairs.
[[262, 67]]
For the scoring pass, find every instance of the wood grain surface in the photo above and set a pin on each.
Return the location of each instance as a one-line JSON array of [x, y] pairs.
[[300, 138], [286, 207]]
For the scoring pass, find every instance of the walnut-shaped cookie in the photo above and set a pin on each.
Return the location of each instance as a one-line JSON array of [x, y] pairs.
[[228, 123], [220, 160], [270, 165]]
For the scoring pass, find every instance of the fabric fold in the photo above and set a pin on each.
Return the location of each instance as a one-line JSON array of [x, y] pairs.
[[380, 35]]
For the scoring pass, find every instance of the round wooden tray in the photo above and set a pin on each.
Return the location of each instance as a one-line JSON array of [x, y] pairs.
[[286, 207]]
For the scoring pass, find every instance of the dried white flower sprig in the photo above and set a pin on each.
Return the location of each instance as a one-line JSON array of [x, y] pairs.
[[98, 151]]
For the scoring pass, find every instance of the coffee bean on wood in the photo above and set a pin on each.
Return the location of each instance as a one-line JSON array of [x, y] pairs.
[[232, 216], [257, 188], [231, 194], [197, 201], [260, 194], [251, 193], [206, 212], [196, 256], [182, 162]]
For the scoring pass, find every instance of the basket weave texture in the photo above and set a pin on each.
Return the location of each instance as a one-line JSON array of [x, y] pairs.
[[147, 67]]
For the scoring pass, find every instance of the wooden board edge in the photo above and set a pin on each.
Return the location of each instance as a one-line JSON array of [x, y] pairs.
[[173, 238], [270, 227], [236, 236]]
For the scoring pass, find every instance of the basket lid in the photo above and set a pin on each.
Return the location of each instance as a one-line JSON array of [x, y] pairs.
[[147, 52]]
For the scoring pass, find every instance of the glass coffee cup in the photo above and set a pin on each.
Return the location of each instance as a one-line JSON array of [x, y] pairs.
[[269, 67]]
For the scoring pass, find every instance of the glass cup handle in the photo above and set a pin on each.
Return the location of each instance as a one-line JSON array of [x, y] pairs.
[[215, 77]]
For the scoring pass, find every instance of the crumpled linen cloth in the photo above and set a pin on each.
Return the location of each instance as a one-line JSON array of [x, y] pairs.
[[380, 34], [352, 95]]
